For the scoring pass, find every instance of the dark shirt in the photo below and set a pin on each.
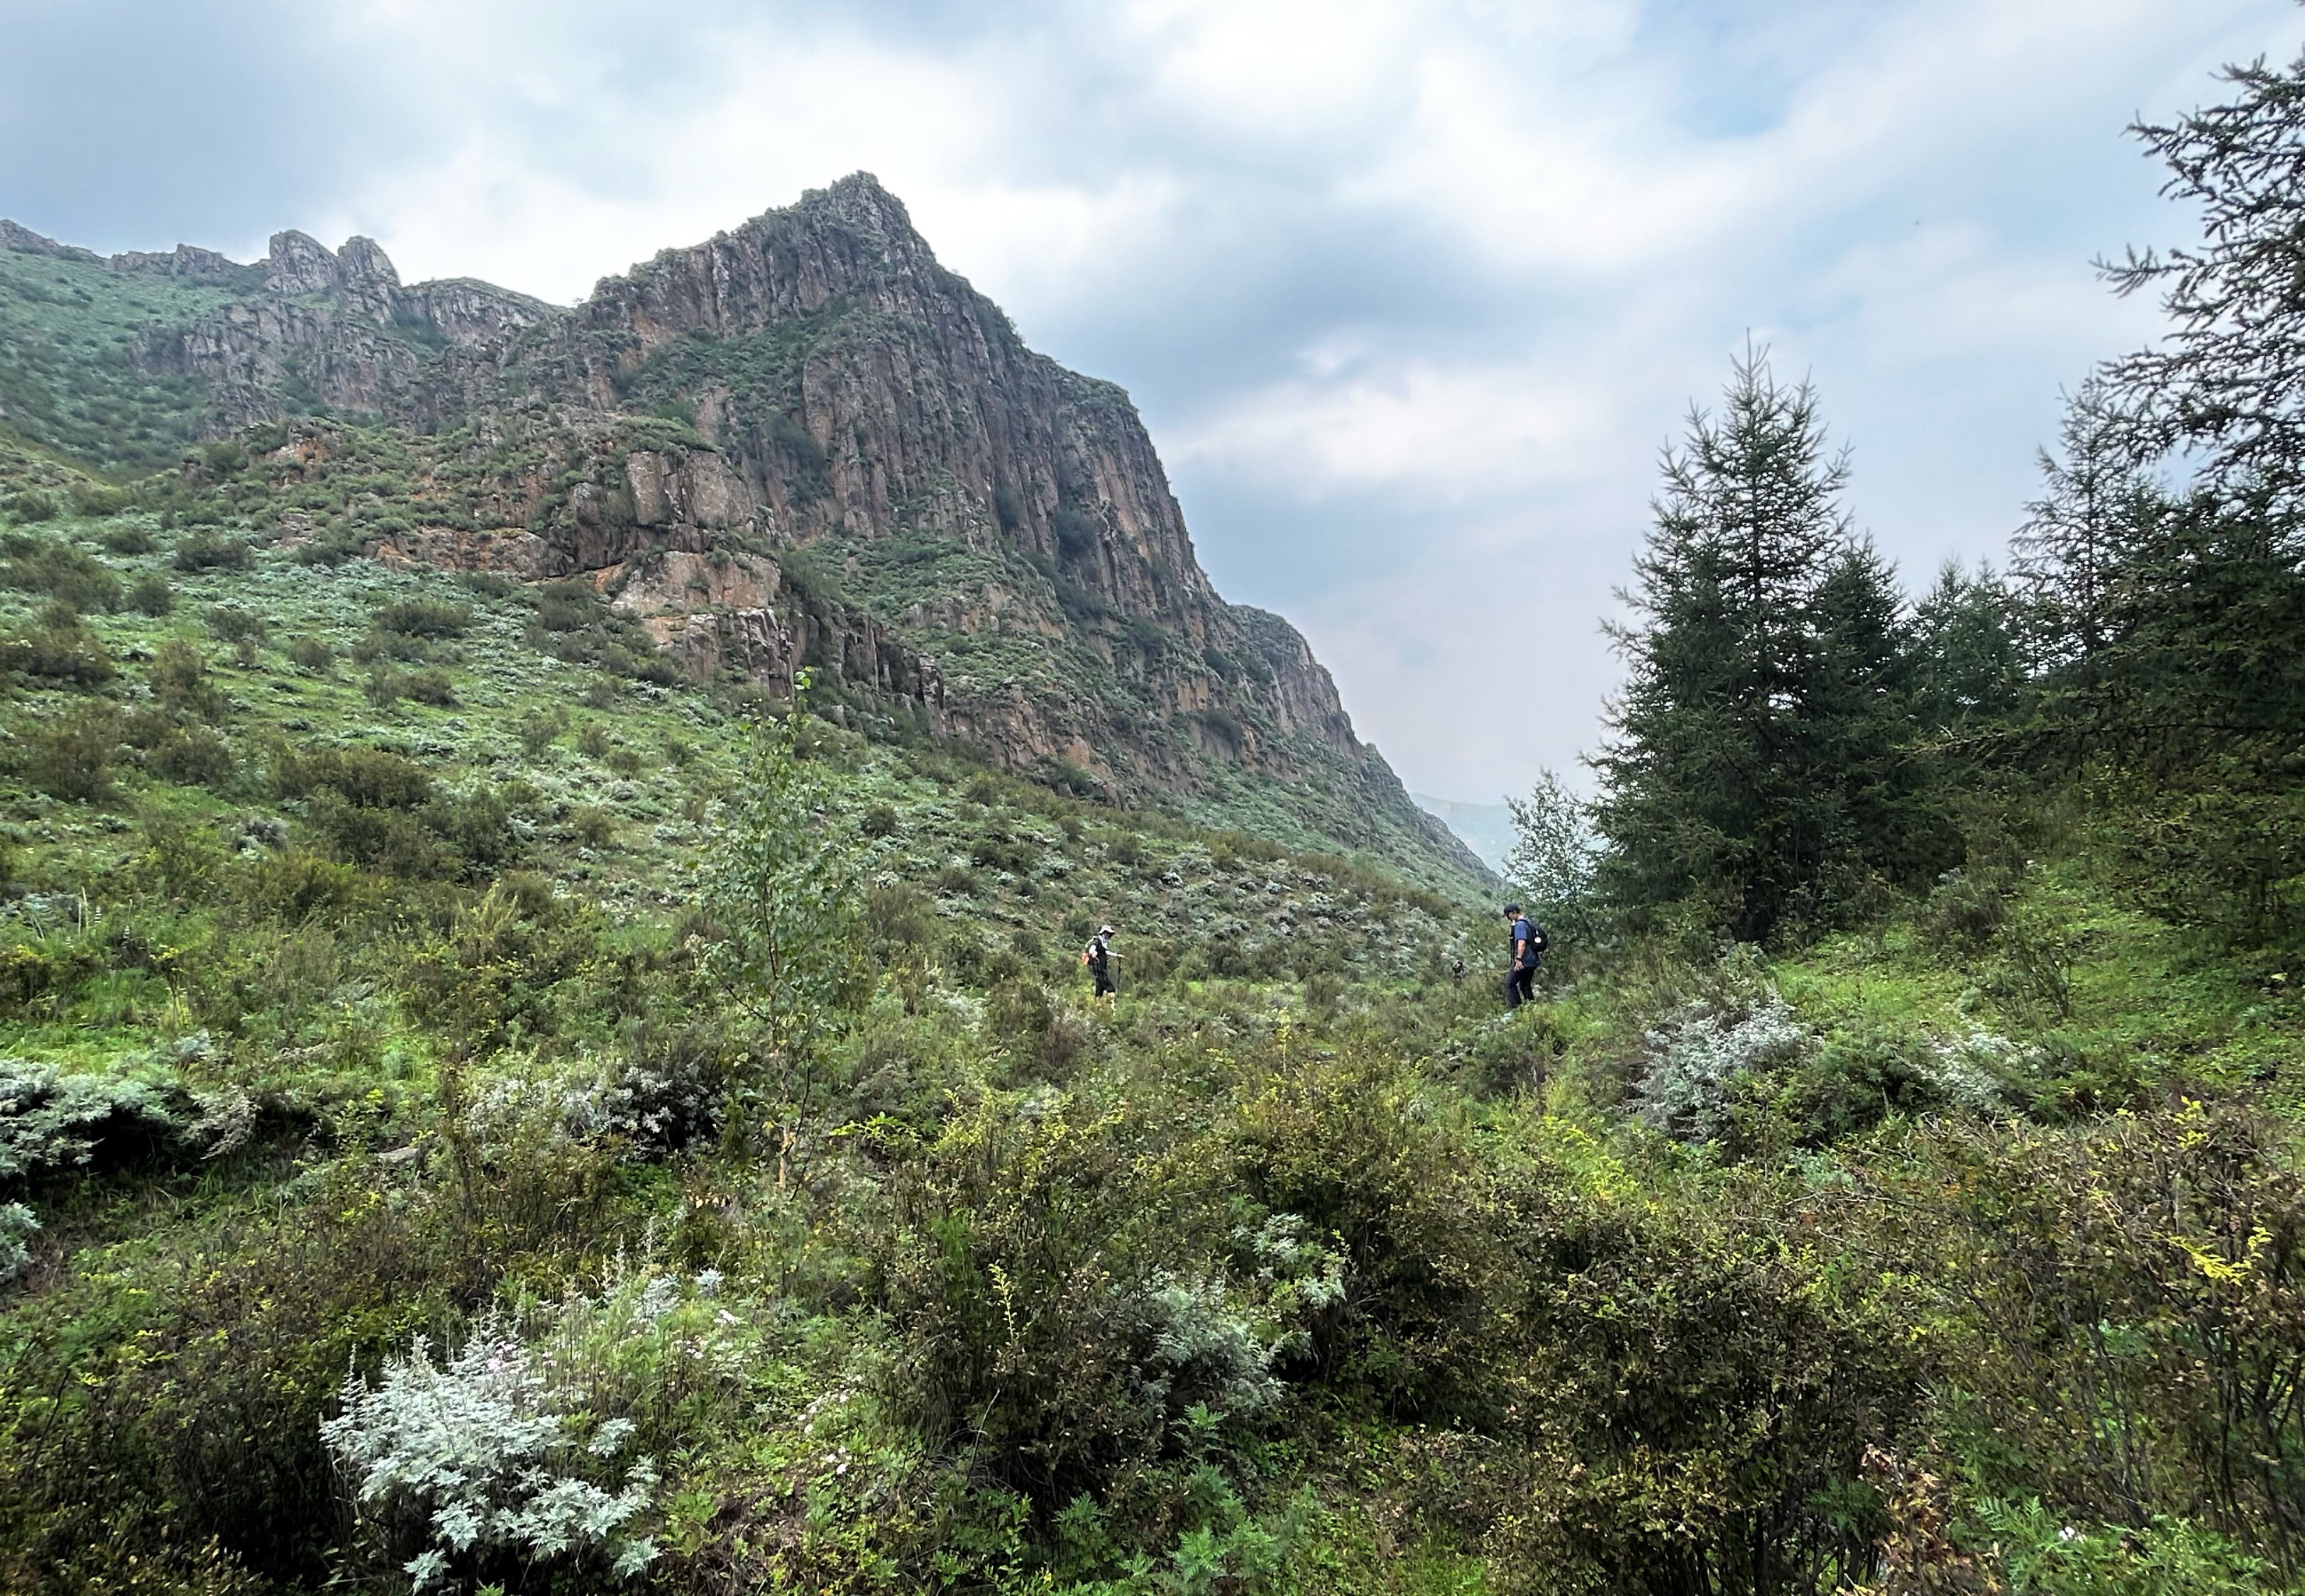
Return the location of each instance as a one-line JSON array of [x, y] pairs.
[[1524, 943], [1097, 952]]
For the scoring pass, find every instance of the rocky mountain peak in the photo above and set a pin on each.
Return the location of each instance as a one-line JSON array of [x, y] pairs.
[[14, 235], [299, 263], [362, 261], [805, 442], [859, 201], [185, 261]]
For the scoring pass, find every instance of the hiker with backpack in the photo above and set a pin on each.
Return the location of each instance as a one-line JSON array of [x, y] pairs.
[[1098, 957], [1528, 945]]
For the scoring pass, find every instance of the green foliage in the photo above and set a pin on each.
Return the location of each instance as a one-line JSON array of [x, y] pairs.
[[208, 551], [70, 754], [423, 1162], [1554, 859], [782, 894], [65, 573], [1759, 771]]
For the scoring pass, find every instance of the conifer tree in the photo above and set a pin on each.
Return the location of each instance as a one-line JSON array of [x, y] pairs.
[[1858, 710], [2095, 503], [1970, 657], [1709, 789]]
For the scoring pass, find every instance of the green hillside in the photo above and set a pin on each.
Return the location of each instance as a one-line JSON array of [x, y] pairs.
[[544, 1045], [68, 380]]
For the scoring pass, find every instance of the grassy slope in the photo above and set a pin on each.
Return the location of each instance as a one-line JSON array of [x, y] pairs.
[[67, 327], [1291, 1042]]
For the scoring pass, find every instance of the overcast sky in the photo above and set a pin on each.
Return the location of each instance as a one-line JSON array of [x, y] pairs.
[[1410, 294]]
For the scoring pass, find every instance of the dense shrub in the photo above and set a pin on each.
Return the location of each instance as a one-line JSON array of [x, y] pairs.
[[59, 649], [41, 565], [2138, 1291], [424, 617], [70, 756], [1051, 1311], [151, 595], [233, 623], [368, 777], [180, 682], [208, 551]]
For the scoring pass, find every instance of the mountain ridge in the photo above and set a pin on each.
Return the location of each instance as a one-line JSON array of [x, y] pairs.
[[803, 443]]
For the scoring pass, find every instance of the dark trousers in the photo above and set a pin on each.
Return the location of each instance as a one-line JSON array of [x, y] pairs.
[[1104, 980], [1520, 987]]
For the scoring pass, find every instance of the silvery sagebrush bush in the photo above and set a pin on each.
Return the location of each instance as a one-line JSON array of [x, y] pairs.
[[16, 1227], [52, 1120], [522, 1444], [483, 1448], [650, 1104], [1696, 1056], [1973, 1071], [1201, 1346]]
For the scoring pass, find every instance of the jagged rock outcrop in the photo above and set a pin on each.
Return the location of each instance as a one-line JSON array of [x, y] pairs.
[[861, 393], [806, 442], [335, 328]]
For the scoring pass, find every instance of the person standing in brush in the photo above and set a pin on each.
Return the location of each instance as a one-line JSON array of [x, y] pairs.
[[1527, 945], [1099, 958]]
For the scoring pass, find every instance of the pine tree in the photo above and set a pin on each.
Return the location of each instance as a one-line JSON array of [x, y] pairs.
[[1970, 662], [1858, 712], [2227, 383], [2095, 503], [1710, 789]]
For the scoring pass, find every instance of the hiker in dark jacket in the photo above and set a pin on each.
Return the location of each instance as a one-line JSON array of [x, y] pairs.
[[1099, 959], [1527, 946]]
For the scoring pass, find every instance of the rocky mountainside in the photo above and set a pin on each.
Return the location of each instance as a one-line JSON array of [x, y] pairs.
[[803, 443]]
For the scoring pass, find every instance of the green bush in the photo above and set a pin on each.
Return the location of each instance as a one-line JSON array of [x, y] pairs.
[[433, 687], [424, 617], [208, 551], [364, 777], [60, 650], [1050, 1312], [2136, 1289], [231, 624], [70, 756], [151, 595], [180, 682], [42, 565], [196, 757]]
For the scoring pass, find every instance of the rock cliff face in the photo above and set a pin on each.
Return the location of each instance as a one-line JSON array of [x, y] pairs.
[[329, 330], [806, 442]]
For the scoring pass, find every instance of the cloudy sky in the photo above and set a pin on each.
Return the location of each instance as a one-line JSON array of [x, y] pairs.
[[1409, 293]]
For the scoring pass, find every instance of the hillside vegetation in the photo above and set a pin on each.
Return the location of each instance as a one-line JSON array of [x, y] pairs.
[[489, 1105]]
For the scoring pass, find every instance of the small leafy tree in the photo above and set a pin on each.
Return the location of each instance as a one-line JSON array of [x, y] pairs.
[[784, 894], [1554, 856]]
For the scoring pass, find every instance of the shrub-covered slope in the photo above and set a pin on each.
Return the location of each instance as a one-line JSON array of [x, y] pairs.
[[803, 442]]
